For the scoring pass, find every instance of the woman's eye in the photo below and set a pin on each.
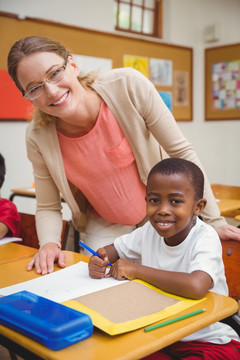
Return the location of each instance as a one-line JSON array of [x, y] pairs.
[[35, 89], [55, 74]]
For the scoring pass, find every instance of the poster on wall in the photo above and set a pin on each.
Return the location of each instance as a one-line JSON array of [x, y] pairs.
[[87, 64], [161, 72], [12, 104], [167, 98], [222, 82], [137, 62], [226, 85], [180, 88]]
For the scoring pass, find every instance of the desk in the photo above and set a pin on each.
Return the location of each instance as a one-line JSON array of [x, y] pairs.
[[237, 217], [12, 252], [228, 206], [100, 346], [25, 192]]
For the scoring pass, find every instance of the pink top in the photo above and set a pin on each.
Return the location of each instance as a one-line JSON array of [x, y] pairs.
[[101, 164]]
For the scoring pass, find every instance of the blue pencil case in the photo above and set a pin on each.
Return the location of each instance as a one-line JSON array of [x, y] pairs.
[[45, 321]]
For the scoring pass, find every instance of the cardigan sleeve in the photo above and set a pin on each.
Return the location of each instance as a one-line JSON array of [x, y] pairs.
[[48, 212], [164, 128]]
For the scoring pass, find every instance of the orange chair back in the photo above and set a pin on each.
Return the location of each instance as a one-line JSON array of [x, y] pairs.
[[28, 231]]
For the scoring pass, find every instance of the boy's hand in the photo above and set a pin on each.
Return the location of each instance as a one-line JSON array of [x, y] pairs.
[[122, 270], [97, 266]]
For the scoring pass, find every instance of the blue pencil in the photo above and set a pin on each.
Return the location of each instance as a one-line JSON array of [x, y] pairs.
[[91, 250]]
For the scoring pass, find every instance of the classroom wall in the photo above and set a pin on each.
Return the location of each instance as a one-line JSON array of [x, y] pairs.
[[184, 22]]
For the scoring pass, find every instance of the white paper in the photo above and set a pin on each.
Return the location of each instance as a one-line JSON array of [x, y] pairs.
[[90, 63], [7, 240], [63, 285]]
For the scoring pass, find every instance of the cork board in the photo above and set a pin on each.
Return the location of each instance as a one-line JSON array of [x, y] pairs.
[[222, 82], [105, 45]]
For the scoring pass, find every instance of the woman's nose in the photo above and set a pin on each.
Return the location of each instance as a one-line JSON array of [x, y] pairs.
[[50, 89]]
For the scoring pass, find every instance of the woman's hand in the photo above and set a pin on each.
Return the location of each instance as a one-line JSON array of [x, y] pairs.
[[45, 258], [228, 232]]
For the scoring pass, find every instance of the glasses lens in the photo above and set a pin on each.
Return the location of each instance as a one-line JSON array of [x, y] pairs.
[[34, 93], [56, 75]]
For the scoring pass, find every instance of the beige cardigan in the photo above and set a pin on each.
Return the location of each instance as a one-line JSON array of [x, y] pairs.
[[149, 128]]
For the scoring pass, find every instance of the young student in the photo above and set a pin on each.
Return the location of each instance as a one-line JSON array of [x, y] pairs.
[[177, 252], [9, 217]]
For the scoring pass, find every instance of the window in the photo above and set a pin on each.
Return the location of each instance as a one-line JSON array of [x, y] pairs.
[[139, 16]]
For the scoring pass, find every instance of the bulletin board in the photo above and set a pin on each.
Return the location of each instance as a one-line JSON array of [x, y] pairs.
[[110, 46], [222, 82]]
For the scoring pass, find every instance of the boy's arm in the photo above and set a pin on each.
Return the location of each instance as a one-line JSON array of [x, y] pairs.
[[191, 285], [97, 266]]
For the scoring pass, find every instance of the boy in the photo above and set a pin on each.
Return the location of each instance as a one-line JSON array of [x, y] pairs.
[[9, 217], [176, 252]]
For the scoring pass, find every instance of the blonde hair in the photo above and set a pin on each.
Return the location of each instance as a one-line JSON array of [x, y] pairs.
[[34, 44]]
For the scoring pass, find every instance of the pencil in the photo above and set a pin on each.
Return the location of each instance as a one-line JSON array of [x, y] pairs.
[[91, 250], [149, 328]]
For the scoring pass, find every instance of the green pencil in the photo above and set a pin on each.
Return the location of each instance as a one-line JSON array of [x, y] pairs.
[[174, 320]]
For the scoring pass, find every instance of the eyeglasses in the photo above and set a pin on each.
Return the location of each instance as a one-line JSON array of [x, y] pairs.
[[53, 78]]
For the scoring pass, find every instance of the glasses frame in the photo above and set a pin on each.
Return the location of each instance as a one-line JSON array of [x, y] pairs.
[[25, 94]]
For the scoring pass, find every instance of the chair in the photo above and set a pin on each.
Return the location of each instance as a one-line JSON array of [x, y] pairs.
[[227, 192], [28, 231], [237, 218], [231, 251]]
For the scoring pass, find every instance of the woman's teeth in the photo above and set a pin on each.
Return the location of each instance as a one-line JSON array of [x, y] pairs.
[[61, 100]]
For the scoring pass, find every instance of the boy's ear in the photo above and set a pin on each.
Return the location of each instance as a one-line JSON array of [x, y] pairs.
[[199, 207]]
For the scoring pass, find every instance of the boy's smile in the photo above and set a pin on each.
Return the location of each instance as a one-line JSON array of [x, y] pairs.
[[171, 206]]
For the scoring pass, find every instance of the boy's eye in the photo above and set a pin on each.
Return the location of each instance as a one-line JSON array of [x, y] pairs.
[[176, 201], [153, 200]]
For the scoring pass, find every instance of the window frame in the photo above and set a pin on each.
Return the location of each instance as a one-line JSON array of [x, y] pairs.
[[157, 18]]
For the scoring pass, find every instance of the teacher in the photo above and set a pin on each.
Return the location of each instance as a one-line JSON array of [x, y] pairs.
[[93, 140]]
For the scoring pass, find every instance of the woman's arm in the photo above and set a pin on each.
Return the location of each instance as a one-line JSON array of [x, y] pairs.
[[48, 214]]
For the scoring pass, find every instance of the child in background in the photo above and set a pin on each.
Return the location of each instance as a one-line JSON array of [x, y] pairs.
[[9, 217], [176, 252]]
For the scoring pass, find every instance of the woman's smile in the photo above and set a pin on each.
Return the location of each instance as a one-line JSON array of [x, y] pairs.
[[61, 101]]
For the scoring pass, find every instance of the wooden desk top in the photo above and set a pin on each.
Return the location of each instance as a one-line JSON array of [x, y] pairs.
[[132, 345], [12, 252], [26, 190], [227, 205]]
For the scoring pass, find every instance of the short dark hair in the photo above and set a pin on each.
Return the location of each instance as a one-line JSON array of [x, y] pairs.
[[172, 166], [2, 170]]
